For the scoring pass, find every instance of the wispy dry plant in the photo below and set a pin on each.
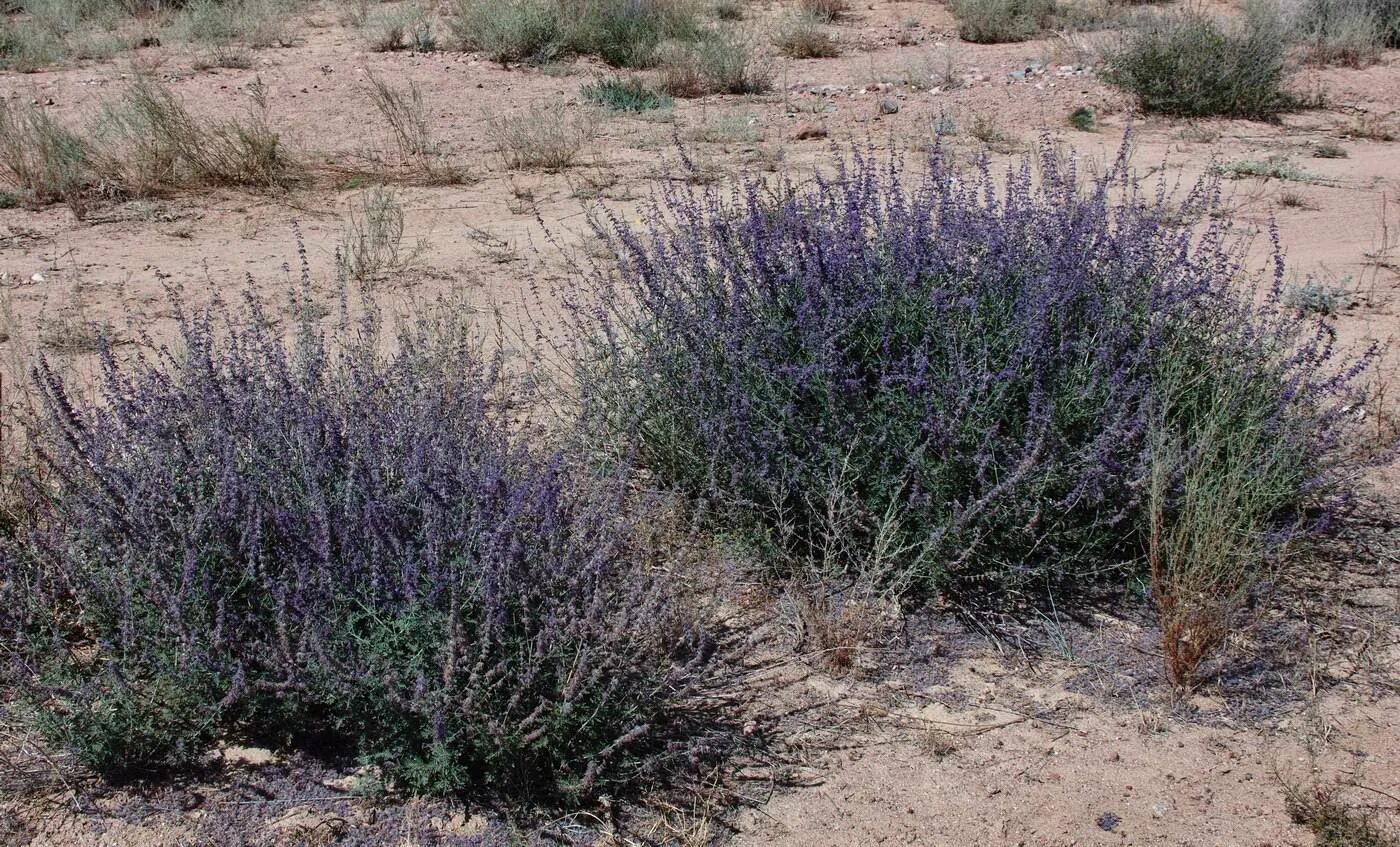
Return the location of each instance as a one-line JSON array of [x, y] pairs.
[[405, 116]]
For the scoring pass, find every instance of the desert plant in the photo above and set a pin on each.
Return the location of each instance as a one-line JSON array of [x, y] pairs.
[[251, 23], [511, 30], [406, 118], [1190, 64], [1371, 126], [1312, 297], [343, 541], [53, 31], [627, 33], [623, 33], [549, 139], [624, 94], [400, 29], [148, 141], [1294, 200], [998, 21], [939, 386], [720, 63], [1222, 477], [1335, 822], [223, 56], [801, 36], [825, 10], [142, 143], [1273, 168], [1347, 32], [27, 47], [404, 115], [1082, 119], [986, 129], [372, 244], [936, 69], [729, 10], [43, 160], [726, 128]]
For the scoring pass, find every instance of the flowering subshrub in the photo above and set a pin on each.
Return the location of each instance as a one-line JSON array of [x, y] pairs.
[[320, 544], [941, 385]]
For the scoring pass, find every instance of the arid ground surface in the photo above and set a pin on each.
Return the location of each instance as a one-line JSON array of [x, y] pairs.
[[1054, 732]]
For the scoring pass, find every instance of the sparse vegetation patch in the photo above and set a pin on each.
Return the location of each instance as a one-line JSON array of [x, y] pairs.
[[1190, 64]]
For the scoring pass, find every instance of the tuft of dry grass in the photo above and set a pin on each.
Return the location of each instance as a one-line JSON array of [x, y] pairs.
[[372, 245], [802, 36], [405, 117], [408, 28], [834, 632], [143, 143], [1334, 822], [1369, 126], [1001, 21], [1290, 199], [825, 10], [148, 141], [44, 160], [722, 63], [547, 139]]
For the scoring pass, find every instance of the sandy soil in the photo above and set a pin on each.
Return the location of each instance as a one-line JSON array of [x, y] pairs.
[[1050, 734]]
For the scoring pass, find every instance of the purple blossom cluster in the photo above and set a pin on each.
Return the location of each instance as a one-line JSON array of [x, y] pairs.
[[946, 382], [314, 542]]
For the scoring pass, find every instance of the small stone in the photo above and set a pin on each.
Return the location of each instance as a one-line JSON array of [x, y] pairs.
[[889, 106], [37, 278]]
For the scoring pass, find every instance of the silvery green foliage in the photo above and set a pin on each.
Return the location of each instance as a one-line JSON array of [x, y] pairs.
[[944, 382], [314, 542]]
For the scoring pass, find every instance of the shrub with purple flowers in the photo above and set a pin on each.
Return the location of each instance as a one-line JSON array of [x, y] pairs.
[[943, 385], [346, 542]]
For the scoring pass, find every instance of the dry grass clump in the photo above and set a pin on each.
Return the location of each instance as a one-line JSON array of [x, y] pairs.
[[722, 63], [143, 143], [1000, 21], [547, 139], [44, 161], [148, 141], [623, 33], [1346, 32], [405, 119], [801, 36], [373, 243], [48, 32], [1192, 64], [407, 28], [833, 631], [825, 10], [1335, 823], [224, 24]]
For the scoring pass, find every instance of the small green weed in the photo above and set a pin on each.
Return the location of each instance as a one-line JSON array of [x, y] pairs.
[[1265, 169], [625, 94]]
